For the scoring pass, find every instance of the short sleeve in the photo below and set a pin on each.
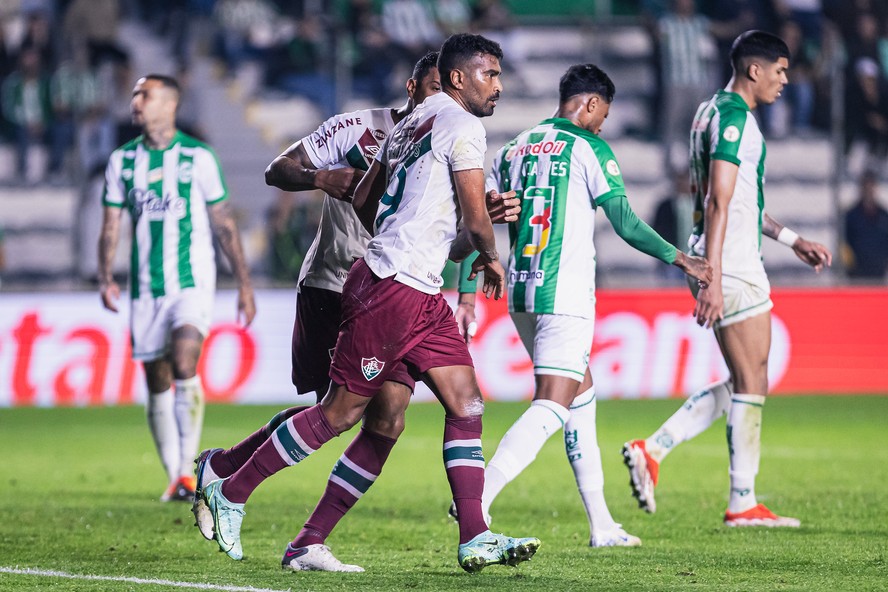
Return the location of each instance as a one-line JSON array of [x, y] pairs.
[[725, 132], [331, 142], [605, 181], [469, 143], [493, 181], [209, 176], [112, 194]]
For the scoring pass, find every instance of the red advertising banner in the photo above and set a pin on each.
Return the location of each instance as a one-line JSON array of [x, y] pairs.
[[647, 344], [823, 341], [64, 349]]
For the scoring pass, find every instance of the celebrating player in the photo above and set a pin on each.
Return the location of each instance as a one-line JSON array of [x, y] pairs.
[[727, 167], [173, 189], [392, 308], [564, 171]]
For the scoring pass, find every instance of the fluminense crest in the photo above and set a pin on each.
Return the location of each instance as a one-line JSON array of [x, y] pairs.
[[371, 367]]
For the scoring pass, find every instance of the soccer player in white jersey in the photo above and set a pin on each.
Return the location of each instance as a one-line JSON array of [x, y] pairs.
[[172, 187], [333, 159], [565, 172], [728, 175], [430, 170]]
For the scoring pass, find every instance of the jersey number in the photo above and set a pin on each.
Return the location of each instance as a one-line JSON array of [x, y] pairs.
[[540, 220]]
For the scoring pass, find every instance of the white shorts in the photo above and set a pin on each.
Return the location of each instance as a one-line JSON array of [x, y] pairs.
[[743, 299], [557, 344], [152, 320]]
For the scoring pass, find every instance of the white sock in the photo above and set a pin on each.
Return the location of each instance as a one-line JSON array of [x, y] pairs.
[[162, 422], [520, 446], [744, 445], [189, 418], [581, 445], [696, 414]]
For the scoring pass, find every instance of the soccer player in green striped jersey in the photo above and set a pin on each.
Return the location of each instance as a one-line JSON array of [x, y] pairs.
[[565, 172], [172, 187], [728, 176]]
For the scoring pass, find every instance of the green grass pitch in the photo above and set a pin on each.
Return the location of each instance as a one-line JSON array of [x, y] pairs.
[[79, 488]]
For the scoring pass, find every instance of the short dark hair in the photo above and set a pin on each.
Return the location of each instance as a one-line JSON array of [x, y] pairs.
[[757, 44], [585, 78], [460, 48], [425, 63], [167, 81]]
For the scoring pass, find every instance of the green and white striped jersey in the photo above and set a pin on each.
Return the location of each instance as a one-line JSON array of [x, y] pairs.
[[725, 129], [562, 173], [167, 193]]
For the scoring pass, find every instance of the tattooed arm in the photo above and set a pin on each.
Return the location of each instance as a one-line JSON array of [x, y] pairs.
[[225, 229], [108, 288]]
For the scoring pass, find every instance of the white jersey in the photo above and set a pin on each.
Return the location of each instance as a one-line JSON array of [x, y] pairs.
[[562, 173], [166, 193], [348, 140], [725, 129], [417, 217]]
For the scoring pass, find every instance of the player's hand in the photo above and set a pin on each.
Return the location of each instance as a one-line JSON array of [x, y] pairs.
[[110, 293], [246, 306], [494, 277], [710, 305], [465, 316], [339, 183], [696, 267], [503, 207], [814, 254]]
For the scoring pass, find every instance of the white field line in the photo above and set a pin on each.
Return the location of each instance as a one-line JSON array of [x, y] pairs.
[[194, 585]]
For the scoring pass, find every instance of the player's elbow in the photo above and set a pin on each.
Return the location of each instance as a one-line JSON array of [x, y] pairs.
[[270, 176], [273, 173]]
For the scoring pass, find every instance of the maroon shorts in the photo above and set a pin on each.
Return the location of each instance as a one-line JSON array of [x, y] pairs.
[[385, 323], [318, 314]]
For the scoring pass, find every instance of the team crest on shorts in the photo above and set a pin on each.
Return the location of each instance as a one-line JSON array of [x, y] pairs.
[[371, 367]]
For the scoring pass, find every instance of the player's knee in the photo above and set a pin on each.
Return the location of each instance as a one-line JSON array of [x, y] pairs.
[[389, 426], [158, 376], [343, 409], [471, 406], [341, 420], [184, 367]]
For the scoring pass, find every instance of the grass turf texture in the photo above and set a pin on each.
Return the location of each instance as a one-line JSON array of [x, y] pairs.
[[79, 490]]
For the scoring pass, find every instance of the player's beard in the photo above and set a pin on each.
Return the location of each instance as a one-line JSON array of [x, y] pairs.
[[485, 107]]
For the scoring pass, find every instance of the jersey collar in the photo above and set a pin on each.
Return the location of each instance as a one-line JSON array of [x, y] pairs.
[[733, 98]]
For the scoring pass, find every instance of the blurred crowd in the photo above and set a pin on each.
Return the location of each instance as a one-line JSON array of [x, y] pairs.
[[692, 39], [300, 44], [66, 79], [66, 73]]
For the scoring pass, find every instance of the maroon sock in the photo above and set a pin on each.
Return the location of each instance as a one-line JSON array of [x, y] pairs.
[[226, 462], [352, 476], [464, 463], [291, 442]]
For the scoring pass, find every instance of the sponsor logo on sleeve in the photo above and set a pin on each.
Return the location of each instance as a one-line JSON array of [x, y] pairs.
[[731, 133], [321, 137]]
